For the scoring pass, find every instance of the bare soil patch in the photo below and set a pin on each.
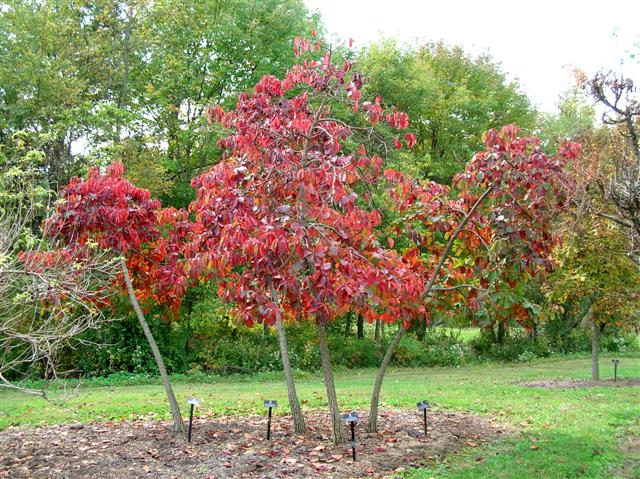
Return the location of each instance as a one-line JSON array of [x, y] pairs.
[[574, 383], [236, 447], [630, 447]]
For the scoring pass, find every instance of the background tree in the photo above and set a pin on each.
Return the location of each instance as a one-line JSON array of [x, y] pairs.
[[94, 74], [596, 273], [196, 54], [617, 95], [452, 98], [573, 121], [598, 280], [68, 73]]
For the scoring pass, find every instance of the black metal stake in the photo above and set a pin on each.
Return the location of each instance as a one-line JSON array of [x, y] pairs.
[[351, 419], [425, 422], [424, 406], [190, 422], [353, 439], [270, 404], [615, 371]]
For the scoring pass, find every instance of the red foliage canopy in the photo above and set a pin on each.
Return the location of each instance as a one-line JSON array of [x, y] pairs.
[[285, 222], [281, 219], [110, 212], [510, 235]]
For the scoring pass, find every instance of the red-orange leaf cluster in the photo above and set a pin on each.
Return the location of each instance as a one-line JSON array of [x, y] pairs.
[[107, 210], [509, 236]]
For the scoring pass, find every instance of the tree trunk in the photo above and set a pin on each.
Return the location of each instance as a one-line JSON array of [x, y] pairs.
[[595, 352], [338, 433], [375, 397], [360, 327], [502, 330], [178, 425], [376, 333], [347, 326], [294, 404], [421, 331]]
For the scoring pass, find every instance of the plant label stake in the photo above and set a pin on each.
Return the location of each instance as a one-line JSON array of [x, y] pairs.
[[270, 404], [615, 369], [193, 402], [424, 407], [351, 419]]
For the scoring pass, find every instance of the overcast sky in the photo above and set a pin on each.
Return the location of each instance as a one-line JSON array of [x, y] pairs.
[[537, 42]]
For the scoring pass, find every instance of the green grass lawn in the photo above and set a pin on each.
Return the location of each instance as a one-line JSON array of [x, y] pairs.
[[575, 433]]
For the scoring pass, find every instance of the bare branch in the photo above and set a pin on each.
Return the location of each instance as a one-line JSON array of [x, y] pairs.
[[45, 308]]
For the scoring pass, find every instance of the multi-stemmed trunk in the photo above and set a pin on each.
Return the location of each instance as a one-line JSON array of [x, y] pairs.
[[294, 404], [338, 433], [178, 425]]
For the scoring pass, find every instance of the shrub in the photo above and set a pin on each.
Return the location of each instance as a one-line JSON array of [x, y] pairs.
[[447, 348], [355, 353], [438, 348], [516, 347], [617, 341], [410, 353]]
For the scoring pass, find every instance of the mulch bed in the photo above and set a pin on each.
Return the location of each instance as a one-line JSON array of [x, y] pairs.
[[574, 383], [236, 447]]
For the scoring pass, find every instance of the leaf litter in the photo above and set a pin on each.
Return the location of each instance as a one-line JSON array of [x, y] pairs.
[[236, 447]]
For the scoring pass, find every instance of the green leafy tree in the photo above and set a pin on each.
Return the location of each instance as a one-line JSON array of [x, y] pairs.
[[200, 53], [112, 80], [574, 119], [62, 70], [451, 97], [597, 279]]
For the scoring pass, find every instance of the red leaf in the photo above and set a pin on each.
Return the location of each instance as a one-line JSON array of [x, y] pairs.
[[403, 120]]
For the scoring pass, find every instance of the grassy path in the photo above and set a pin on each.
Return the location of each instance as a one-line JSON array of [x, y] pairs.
[[565, 433]]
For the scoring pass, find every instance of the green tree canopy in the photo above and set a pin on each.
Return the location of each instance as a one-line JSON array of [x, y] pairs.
[[451, 97], [574, 119], [113, 80], [594, 268]]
